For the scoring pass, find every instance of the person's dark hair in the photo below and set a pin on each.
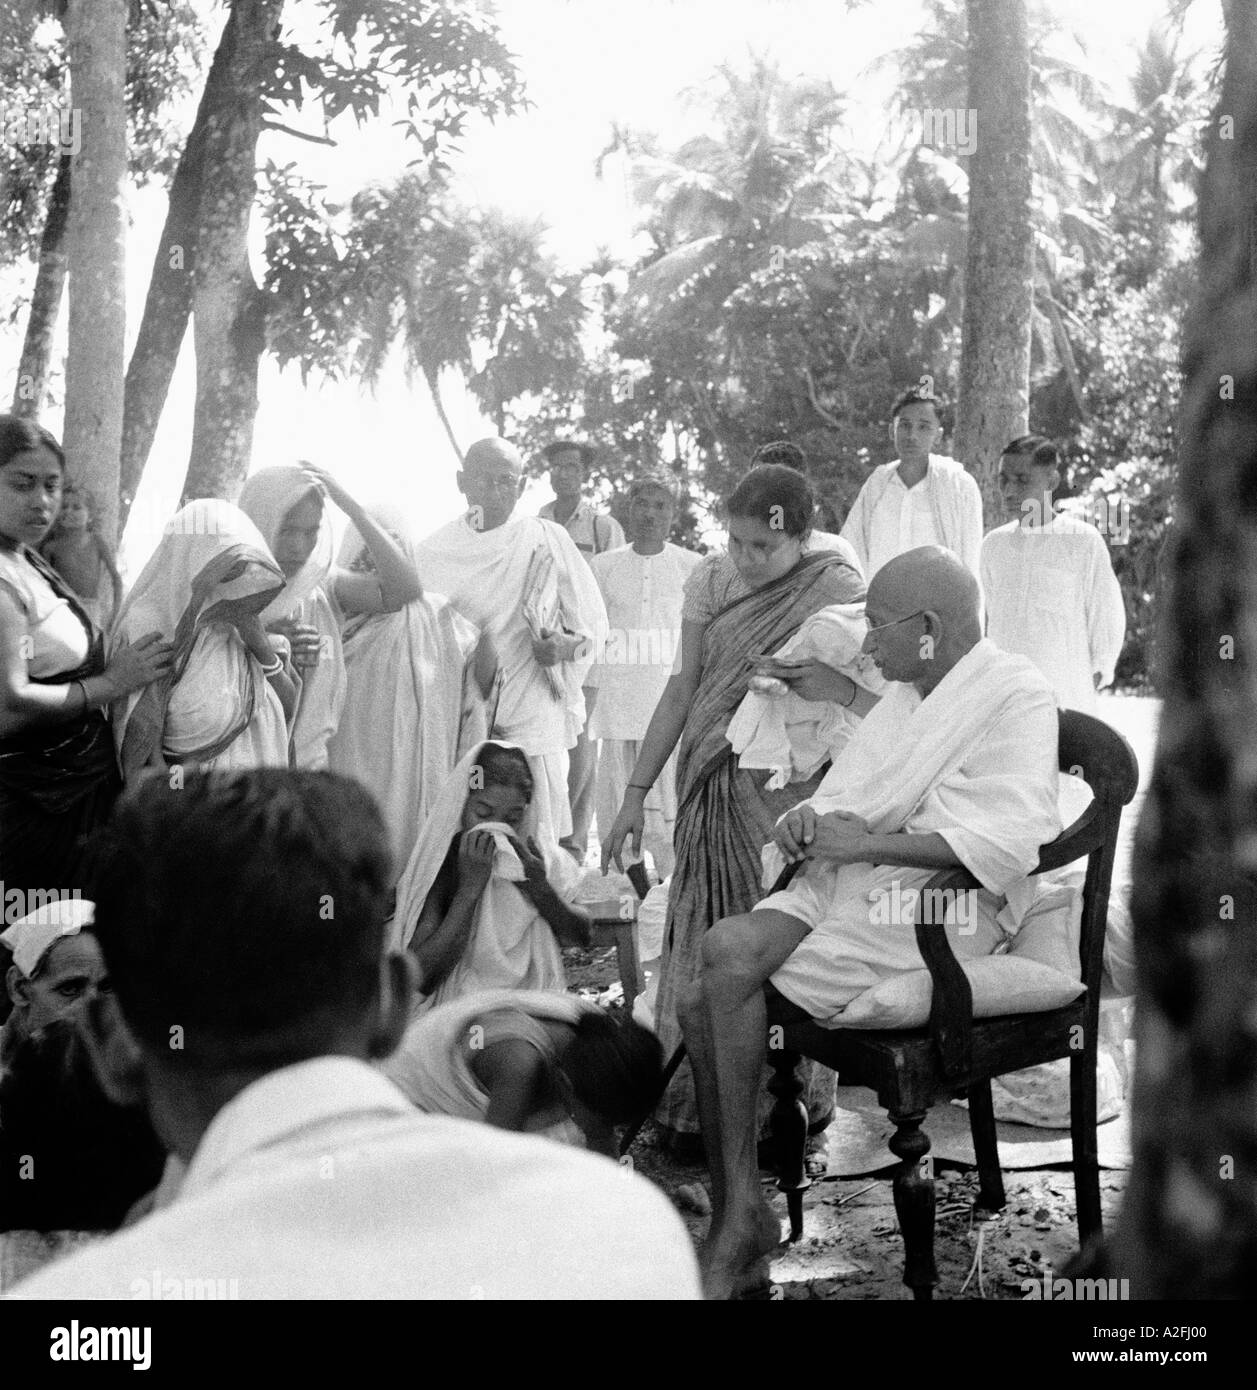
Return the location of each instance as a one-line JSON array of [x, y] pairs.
[[1041, 452], [241, 916], [780, 451], [778, 496], [18, 436], [614, 1066], [918, 395], [70, 1158], [505, 767]]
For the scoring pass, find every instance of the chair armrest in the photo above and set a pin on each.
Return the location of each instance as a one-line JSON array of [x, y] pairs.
[[951, 1004]]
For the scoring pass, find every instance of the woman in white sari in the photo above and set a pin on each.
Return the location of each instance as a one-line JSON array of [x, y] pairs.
[[287, 505], [481, 905], [415, 701], [225, 702]]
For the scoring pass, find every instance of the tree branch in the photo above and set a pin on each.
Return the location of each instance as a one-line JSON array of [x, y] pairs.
[[298, 134], [825, 415]]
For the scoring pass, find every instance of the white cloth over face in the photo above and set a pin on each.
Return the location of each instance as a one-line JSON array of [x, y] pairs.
[[512, 946], [643, 595], [30, 938], [794, 736], [412, 706], [484, 575], [217, 695], [975, 762], [432, 1065], [320, 1180], [267, 498], [944, 508], [1052, 596]]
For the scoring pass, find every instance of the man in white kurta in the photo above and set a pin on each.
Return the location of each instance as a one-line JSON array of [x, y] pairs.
[[523, 581], [956, 766], [921, 498], [642, 586], [1051, 593]]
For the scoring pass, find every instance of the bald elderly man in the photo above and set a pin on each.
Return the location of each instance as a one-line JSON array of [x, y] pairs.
[[523, 581], [955, 766]]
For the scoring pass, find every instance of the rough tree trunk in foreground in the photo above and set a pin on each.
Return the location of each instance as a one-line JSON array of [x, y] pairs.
[[41, 321], [228, 309], [999, 262], [97, 242], [1188, 1227], [168, 304]]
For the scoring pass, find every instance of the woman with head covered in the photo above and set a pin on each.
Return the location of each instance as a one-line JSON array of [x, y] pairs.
[[287, 504], [227, 698]]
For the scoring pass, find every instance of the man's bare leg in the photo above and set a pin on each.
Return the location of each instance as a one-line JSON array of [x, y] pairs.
[[739, 956]]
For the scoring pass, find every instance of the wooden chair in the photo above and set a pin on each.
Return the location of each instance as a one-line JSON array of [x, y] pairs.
[[957, 1054]]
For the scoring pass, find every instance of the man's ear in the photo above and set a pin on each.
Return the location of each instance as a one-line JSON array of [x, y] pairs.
[[116, 1056], [459, 478], [18, 985], [399, 977]]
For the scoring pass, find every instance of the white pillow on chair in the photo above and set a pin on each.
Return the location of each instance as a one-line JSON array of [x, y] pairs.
[[1051, 931], [1003, 984]]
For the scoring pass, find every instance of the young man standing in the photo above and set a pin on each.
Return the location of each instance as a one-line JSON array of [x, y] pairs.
[[593, 533], [642, 586], [922, 498]]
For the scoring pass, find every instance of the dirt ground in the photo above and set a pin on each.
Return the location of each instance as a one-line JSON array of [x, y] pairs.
[[851, 1248]]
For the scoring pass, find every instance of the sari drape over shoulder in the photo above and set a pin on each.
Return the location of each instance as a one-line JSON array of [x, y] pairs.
[[266, 499], [215, 705], [725, 814], [57, 781], [412, 707]]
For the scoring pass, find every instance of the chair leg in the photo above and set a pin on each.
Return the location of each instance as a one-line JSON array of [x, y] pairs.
[[788, 1124], [914, 1202], [1082, 1128], [985, 1147]]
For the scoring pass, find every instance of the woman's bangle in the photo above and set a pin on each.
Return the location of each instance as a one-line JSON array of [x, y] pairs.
[[273, 668], [640, 786], [87, 703], [846, 704]]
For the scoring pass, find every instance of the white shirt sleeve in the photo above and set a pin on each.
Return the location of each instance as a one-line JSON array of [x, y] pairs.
[[1106, 612]]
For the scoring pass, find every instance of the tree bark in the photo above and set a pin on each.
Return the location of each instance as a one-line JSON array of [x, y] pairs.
[[41, 322], [1188, 1227], [228, 309], [434, 389], [168, 304], [97, 252], [999, 262]]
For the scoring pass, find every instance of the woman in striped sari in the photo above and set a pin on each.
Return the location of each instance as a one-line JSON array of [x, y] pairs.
[[738, 606]]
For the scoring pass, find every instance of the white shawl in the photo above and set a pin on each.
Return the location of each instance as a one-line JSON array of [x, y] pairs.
[[412, 706], [909, 754], [267, 498], [512, 945], [486, 575]]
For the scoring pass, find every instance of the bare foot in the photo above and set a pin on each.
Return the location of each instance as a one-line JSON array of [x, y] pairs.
[[734, 1257]]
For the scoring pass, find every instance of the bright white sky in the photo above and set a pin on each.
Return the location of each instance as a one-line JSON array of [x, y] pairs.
[[586, 64]]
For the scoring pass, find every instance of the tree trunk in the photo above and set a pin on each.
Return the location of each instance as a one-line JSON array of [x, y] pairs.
[[1188, 1227], [97, 251], [168, 304], [434, 389], [999, 262], [41, 322], [228, 309]]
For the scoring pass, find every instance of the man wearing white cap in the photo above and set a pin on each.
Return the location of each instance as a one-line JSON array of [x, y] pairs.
[[56, 966]]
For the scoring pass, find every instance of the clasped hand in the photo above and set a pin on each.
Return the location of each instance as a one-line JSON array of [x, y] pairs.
[[836, 835]]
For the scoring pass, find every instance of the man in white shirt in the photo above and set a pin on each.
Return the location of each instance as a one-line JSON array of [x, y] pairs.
[[641, 585], [241, 918], [593, 533], [1051, 593], [922, 498]]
